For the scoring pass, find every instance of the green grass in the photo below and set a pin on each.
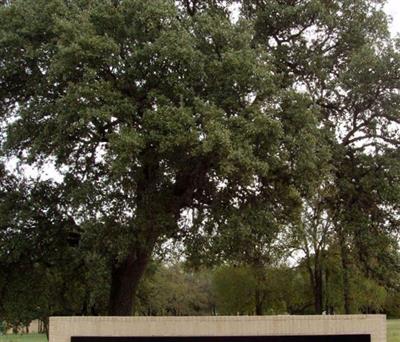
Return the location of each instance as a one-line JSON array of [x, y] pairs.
[[393, 334], [23, 338]]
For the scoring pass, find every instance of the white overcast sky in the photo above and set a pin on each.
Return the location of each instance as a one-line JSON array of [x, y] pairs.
[[393, 9]]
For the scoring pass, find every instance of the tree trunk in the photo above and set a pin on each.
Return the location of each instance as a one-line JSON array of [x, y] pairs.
[[327, 292], [346, 286], [315, 275], [346, 276], [318, 291], [259, 302], [319, 282], [125, 279], [46, 327], [259, 294]]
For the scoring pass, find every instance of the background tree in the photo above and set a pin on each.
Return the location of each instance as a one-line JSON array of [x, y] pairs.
[[172, 290], [342, 56], [235, 288], [41, 267]]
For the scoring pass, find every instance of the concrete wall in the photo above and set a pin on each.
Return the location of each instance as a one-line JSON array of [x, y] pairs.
[[62, 328]]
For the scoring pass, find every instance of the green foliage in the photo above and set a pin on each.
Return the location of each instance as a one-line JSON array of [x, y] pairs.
[[43, 272], [287, 292], [273, 132], [235, 290], [172, 291], [371, 296], [145, 110], [392, 305]]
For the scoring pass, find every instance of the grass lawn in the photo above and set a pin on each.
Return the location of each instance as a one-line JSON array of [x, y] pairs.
[[23, 338], [393, 334]]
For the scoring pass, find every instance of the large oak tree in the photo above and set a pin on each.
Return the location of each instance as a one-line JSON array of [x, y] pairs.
[[145, 108]]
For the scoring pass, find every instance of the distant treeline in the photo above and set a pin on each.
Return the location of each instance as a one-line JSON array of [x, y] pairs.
[[238, 290]]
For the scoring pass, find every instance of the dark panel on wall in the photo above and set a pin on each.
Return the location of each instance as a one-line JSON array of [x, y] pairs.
[[322, 338]]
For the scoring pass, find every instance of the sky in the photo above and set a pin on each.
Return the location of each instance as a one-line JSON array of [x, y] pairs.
[[393, 9]]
